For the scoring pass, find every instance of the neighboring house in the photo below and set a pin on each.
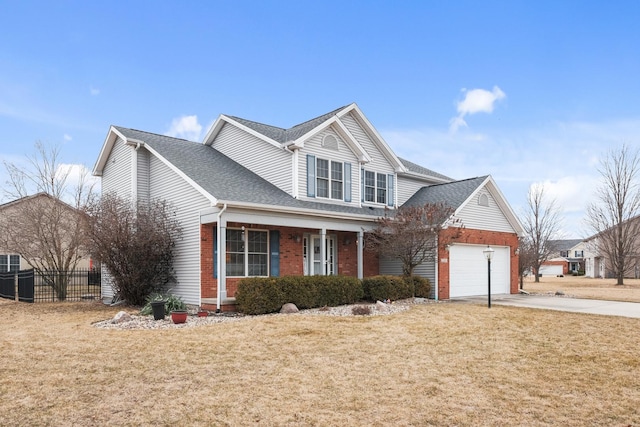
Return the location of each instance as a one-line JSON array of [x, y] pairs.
[[598, 265], [567, 258], [258, 200], [10, 259]]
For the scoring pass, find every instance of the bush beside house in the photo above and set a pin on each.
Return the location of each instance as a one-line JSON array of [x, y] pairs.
[[262, 295]]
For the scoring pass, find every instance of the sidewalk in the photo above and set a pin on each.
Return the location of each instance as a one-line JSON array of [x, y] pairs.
[[576, 305]]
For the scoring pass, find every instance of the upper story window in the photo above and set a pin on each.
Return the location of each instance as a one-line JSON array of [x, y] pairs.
[[328, 179], [9, 263], [564, 253], [579, 254], [378, 187]]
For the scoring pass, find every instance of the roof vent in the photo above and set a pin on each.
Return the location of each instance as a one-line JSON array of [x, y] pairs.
[[330, 142]]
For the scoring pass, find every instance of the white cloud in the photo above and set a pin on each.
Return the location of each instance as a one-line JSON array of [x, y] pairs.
[[94, 91], [67, 137], [562, 155], [186, 127], [475, 101]]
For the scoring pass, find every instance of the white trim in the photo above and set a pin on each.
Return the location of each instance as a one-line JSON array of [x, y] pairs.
[[500, 201], [217, 126], [376, 138], [182, 175]]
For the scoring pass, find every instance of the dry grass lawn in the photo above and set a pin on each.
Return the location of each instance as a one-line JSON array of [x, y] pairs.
[[435, 364], [586, 287]]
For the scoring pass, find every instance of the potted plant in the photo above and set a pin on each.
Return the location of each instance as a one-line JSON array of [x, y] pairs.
[[157, 307], [179, 316], [162, 303]]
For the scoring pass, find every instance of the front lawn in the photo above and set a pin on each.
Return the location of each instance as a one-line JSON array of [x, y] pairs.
[[435, 364], [586, 287]]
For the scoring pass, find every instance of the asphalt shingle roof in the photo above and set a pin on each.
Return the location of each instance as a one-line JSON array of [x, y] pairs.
[[415, 168], [226, 179], [282, 135], [452, 194]]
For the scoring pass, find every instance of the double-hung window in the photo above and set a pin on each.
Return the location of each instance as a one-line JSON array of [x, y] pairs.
[[247, 253], [9, 263], [329, 179], [376, 186]]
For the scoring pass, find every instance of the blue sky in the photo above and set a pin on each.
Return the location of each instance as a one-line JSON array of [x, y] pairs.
[[528, 92]]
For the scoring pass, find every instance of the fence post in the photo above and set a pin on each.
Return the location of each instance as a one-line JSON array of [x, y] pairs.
[[15, 286]]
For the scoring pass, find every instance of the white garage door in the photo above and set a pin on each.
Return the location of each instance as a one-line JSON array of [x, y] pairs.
[[550, 270], [468, 271]]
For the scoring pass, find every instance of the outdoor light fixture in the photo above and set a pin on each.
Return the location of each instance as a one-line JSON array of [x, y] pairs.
[[488, 254]]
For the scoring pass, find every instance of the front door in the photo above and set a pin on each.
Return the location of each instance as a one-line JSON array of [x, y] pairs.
[[313, 256]]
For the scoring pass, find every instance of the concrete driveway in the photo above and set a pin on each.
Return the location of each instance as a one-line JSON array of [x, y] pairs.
[[576, 305]]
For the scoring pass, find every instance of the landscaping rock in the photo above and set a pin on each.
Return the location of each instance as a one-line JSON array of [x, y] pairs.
[[380, 306], [289, 308], [121, 317], [559, 293]]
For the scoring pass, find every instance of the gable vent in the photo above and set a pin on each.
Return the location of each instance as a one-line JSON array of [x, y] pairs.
[[330, 142], [483, 200]]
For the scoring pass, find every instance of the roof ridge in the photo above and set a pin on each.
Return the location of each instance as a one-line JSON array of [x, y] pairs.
[[457, 181], [253, 121], [152, 133], [333, 112]]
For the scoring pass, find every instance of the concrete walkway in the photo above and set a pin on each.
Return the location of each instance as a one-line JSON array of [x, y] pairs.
[[576, 305]]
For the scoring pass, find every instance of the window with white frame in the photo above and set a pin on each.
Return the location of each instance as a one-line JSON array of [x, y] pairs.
[[247, 253], [329, 179], [9, 263], [375, 187]]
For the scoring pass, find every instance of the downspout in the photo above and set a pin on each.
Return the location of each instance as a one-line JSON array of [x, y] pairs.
[[219, 257], [437, 267]]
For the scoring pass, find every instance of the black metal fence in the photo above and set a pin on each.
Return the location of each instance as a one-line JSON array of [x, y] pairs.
[[31, 286]]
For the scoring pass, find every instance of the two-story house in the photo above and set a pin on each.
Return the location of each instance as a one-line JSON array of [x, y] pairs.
[[567, 257], [259, 200]]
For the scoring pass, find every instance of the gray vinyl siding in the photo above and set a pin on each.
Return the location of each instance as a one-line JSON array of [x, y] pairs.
[[407, 187], [143, 158], [392, 266], [168, 185], [269, 162], [476, 216], [116, 179], [116, 175], [344, 154], [379, 162]]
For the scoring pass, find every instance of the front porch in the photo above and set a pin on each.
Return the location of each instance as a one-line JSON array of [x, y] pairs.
[[270, 248]]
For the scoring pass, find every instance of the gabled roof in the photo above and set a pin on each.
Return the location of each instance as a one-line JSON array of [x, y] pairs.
[[563, 244], [420, 170], [451, 194], [457, 194], [295, 136], [284, 136], [223, 180]]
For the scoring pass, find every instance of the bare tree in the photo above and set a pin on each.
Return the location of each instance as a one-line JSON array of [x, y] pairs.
[[541, 223], [135, 244], [411, 234], [526, 258], [613, 216], [39, 225]]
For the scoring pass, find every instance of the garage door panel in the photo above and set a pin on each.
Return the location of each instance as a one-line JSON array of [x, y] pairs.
[[468, 270], [550, 270]]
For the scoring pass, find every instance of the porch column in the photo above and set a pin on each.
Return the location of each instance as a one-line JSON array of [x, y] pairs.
[[360, 250], [222, 263], [323, 251]]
